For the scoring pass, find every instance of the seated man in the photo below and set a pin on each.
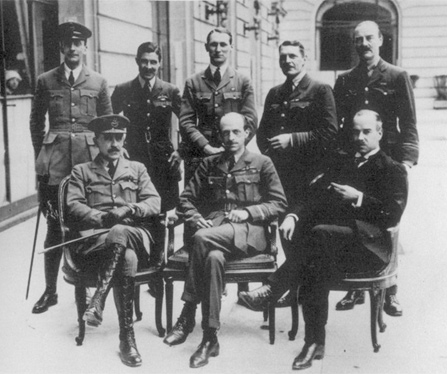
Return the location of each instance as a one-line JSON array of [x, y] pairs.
[[339, 229], [113, 192], [228, 201]]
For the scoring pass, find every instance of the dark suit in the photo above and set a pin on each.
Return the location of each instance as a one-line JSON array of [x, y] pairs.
[[333, 237], [252, 184], [148, 138], [389, 92], [308, 113], [204, 104]]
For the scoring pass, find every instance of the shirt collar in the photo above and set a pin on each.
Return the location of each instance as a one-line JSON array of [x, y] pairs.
[[143, 81], [297, 79], [369, 154], [76, 71], [223, 68]]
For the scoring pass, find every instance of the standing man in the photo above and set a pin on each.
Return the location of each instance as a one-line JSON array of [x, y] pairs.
[[112, 192], [227, 203], [377, 85], [149, 102], [72, 95], [339, 229], [207, 97]]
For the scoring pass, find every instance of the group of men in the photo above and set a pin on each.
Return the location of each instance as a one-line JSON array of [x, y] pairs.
[[125, 173]]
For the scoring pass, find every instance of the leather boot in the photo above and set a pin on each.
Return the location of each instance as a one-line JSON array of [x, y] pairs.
[[49, 297], [184, 326], [124, 296], [93, 314], [209, 347]]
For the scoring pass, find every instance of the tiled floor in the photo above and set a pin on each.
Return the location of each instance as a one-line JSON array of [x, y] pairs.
[[415, 343]]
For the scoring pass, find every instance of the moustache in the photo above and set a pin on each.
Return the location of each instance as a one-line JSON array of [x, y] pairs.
[[113, 149]]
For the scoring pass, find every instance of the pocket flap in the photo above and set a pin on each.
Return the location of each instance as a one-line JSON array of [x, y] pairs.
[[203, 96], [90, 93], [215, 180], [232, 95], [50, 138], [247, 178], [299, 104], [127, 185]]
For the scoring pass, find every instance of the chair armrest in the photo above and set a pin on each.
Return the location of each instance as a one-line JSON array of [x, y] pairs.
[[272, 236]]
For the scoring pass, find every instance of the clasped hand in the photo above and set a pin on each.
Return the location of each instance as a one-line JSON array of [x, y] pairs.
[[347, 193], [281, 141], [116, 215]]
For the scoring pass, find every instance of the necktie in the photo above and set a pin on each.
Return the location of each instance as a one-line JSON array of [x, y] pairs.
[[289, 87], [71, 78], [112, 169], [147, 87], [217, 77], [231, 163]]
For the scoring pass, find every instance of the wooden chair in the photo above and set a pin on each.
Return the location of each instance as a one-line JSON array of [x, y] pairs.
[[375, 283], [81, 278], [253, 269]]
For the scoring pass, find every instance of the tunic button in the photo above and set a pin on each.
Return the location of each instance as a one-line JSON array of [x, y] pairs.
[[285, 102], [113, 182], [282, 127], [73, 120], [148, 101], [73, 135], [216, 93], [228, 175], [216, 105], [283, 115], [366, 89], [148, 115], [72, 104], [366, 101], [227, 191], [71, 88], [114, 196], [233, 89]]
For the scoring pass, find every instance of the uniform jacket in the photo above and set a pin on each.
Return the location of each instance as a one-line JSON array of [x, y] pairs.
[[389, 92], [92, 191], [68, 142], [252, 184], [148, 138], [204, 104], [308, 113], [383, 182]]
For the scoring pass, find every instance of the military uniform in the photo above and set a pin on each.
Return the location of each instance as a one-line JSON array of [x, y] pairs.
[[389, 92], [204, 104], [148, 137], [308, 114], [65, 143], [252, 184]]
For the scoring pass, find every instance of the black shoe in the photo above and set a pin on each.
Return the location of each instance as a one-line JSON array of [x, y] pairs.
[[350, 300], [319, 352], [184, 326], [129, 352], [307, 354], [208, 348], [256, 299], [46, 300], [392, 306]]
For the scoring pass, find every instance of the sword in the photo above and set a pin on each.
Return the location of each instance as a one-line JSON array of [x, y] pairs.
[[34, 250], [77, 240]]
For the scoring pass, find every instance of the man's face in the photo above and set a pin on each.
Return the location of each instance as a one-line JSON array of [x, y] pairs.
[[73, 51], [148, 65], [366, 137], [367, 41], [12, 84], [218, 48], [291, 61], [110, 145], [233, 134]]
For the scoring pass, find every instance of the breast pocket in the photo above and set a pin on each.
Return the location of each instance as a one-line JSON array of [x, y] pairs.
[[204, 102], [97, 194], [248, 186], [232, 101], [88, 99], [129, 191]]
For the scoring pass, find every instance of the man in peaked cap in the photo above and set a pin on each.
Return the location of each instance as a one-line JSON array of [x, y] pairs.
[[72, 95], [116, 193]]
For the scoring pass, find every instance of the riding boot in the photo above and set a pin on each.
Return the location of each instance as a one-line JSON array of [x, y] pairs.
[[49, 297], [124, 296], [93, 314]]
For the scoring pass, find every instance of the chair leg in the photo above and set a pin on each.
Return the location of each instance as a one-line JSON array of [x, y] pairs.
[[81, 306], [382, 325], [375, 298], [169, 300], [159, 307], [138, 313], [294, 309], [271, 317]]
